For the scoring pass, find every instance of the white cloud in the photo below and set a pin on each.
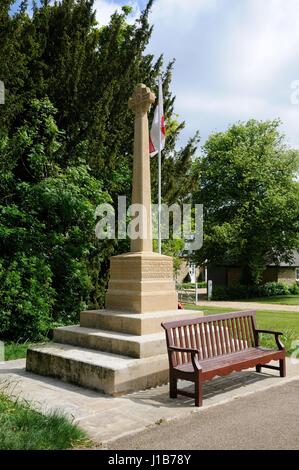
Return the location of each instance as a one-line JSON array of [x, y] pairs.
[[263, 41], [213, 103], [106, 8], [235, 60], [179, 15], [217, 112], [289, 116]]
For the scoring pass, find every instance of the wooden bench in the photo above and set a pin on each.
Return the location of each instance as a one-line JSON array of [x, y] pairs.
[[216, 345]]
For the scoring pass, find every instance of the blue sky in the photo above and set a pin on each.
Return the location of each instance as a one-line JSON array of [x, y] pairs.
[[235, 59]]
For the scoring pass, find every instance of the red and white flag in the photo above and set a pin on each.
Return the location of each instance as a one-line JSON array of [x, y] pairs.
[[158, 130]]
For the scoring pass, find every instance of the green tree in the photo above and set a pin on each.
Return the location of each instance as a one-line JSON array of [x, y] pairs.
[[250, 197], [52, 265]]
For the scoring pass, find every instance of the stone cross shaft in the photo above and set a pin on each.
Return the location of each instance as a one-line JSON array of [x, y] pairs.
[[140, 104]]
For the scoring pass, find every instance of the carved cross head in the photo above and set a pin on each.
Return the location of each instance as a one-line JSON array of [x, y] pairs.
[[142, 99]]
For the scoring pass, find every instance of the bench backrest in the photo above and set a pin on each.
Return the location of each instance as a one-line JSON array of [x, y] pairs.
[[213, 335]]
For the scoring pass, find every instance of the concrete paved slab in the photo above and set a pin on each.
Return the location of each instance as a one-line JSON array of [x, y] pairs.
[[108, 418]]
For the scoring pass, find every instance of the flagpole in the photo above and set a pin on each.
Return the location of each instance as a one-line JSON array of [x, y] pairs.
[[159, 169]]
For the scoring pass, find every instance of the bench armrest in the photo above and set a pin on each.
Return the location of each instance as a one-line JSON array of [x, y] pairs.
[[279, 344], [270, 332], [194, 355]]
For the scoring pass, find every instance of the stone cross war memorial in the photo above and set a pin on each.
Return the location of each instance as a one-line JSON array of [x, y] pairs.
[[122, 348]]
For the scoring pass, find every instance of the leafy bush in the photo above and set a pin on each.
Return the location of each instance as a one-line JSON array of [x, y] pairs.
[[26, 297], [202, 285], [240, 291], [191, 285], [272, 289], [230, 293], [50, 259], [294, 289]]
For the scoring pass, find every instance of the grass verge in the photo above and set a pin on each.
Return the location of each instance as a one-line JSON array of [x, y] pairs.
[[280, 300], [22, 428], [15, 350]]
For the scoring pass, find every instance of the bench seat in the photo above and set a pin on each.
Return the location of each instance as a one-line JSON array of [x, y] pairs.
[[236, 360]]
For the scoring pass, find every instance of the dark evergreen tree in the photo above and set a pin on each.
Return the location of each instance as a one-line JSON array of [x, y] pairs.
[[88, 71], [66, 140]]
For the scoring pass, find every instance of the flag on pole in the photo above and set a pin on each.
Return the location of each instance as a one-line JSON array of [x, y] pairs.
[[158, 130]]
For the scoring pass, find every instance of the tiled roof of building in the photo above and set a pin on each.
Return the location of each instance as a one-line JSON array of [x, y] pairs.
[[294, 264]]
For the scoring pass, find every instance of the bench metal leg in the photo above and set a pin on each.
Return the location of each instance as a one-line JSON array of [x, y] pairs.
[[198, 392], [173, 388], [282, 367], [258, 368]]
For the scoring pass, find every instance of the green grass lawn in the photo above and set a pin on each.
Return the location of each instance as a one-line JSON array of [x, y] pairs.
[[280, 300], [16, 350], [286, 322], [22, 428]]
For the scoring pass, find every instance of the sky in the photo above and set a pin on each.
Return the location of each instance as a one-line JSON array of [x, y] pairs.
[[235, 59]]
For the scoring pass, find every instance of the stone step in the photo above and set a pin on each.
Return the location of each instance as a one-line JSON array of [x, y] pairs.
[[109, 341], [133, 323], [106, 372]]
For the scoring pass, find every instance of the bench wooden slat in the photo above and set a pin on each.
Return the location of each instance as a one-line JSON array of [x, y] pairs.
[[180, 343], [187, 333], [221, 335], [247, 333], [174, 341], [216, 337], [213, 339], [244, 332], [227, 336], [203, 348], [247, 339], [249, 329], [243, 338], [239, 333], [207, 340], [235, 336], [193, 337]]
